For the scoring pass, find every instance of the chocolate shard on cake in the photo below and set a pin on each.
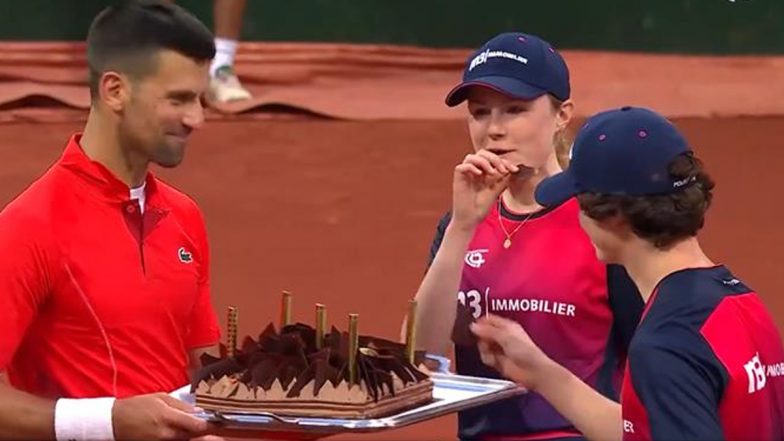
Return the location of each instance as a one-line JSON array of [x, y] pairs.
[[284, 373], [213, 368]]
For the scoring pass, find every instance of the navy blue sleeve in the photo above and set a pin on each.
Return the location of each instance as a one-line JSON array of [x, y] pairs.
[[626, 304], [439, 237], [680, 383]]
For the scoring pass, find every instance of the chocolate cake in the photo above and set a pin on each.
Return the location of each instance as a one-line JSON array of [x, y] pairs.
[[291, 373]]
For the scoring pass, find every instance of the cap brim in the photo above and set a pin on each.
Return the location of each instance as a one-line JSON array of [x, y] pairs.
[[508, 86], [556, 189]]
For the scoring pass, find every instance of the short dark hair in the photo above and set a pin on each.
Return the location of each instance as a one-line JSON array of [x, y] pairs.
[[128, 35], [663, 220]]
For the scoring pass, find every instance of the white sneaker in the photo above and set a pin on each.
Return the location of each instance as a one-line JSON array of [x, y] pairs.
[[225, 86]]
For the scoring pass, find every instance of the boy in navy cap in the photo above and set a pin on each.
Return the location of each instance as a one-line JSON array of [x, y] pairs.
[[706, 361]]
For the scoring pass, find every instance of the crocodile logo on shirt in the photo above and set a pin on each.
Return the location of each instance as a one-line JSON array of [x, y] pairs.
[[185, 255]]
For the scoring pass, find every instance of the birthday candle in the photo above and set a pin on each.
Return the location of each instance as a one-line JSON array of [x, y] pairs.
[[285, 314], [353, 347], [231, 335], [321, 324]]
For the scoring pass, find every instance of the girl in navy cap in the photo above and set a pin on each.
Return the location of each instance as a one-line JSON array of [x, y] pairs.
[[499, 252], [706, 362]]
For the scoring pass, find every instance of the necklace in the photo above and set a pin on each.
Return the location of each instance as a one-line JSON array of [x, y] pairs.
[[508, 240]]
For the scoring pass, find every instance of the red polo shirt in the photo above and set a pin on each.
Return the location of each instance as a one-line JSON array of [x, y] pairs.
[[96, 297]]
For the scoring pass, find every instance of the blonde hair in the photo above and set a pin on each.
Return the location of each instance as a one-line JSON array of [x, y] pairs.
[[561, 141], [563, 147]]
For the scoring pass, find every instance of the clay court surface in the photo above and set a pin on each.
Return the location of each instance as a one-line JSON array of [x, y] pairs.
[[337, 198]]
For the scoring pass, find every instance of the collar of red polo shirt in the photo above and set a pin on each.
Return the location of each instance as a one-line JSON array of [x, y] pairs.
[[101, 178]]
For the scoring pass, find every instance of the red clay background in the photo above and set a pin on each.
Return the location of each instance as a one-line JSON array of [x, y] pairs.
[[343, 212], [371, 82]]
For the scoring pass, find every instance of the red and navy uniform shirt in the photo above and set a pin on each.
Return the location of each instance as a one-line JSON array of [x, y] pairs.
[[581, 312], [706, 363], [96, 298]]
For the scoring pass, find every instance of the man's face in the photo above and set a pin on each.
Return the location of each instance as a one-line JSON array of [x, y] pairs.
[[164, 108]]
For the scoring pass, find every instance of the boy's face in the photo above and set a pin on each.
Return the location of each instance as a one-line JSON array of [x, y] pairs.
[[606, 236]]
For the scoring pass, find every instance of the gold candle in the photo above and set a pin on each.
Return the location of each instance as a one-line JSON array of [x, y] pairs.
[[285, 313], [321, 324], [411, 331], [231, 334], [353, 347]]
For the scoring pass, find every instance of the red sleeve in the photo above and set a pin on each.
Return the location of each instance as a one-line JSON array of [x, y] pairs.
[[25, 277], [204, 329]]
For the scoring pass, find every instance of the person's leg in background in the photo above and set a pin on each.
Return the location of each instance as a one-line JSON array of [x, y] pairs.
[[227, 27], [224, 84]]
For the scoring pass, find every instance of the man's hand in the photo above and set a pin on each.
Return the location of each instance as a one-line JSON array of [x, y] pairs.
[[477, 183], [155, 417], [506, 347]]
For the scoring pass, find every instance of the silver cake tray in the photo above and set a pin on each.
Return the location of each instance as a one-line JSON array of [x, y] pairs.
[[451, 393]]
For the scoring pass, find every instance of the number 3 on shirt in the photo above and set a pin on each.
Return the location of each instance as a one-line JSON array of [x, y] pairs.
[[474, 299]]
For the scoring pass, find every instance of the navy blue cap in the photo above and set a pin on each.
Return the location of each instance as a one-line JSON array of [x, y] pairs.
[[624, 151], [518, 65]]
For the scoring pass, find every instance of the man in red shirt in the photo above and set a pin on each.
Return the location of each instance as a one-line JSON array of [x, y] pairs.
[[104, 274], [706, 361]]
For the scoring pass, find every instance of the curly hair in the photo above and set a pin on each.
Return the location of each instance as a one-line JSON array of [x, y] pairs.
[[662, 220]]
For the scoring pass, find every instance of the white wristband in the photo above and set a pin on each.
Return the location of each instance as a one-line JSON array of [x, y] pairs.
[[88, 419]]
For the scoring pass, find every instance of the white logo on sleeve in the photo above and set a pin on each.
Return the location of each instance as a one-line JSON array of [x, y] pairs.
[[756, 373], [475, 258], [731, 282], [628, 427]]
